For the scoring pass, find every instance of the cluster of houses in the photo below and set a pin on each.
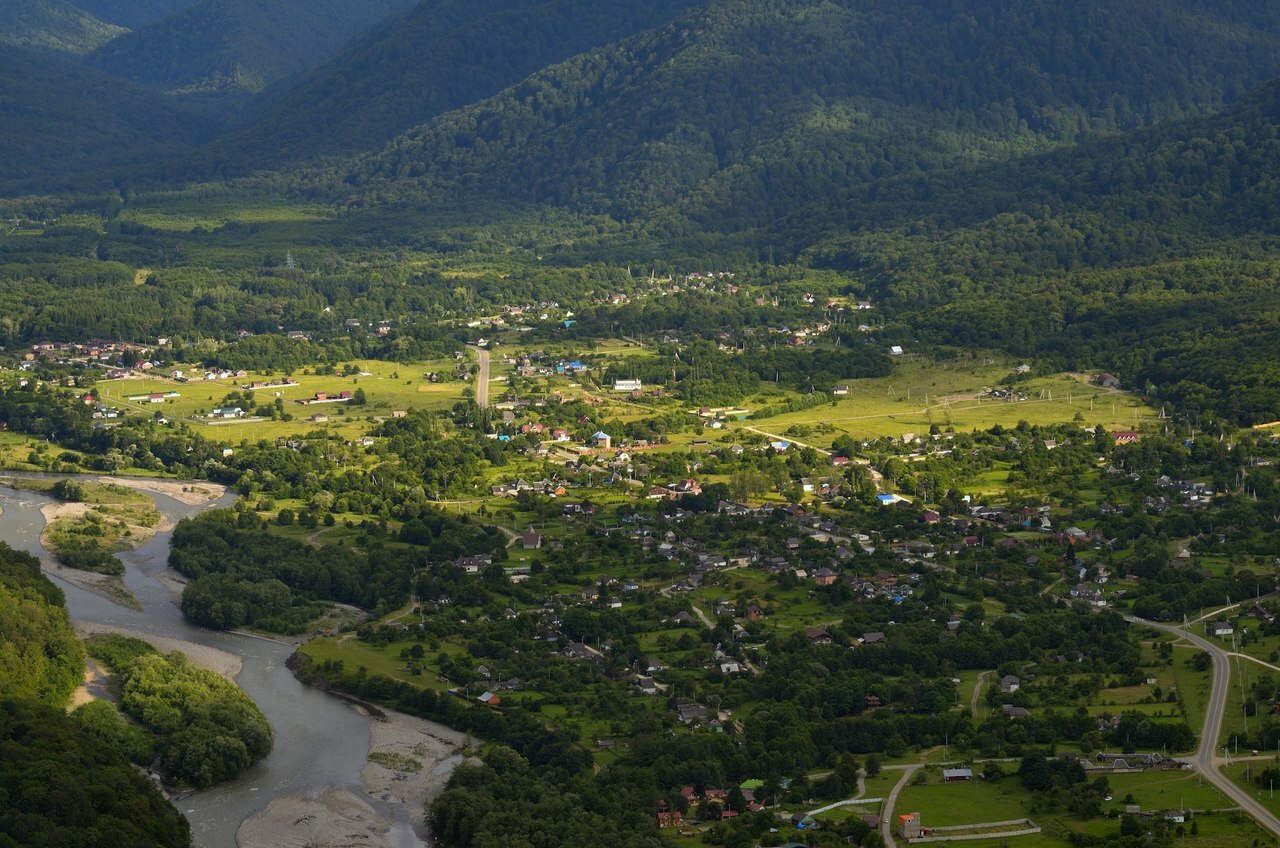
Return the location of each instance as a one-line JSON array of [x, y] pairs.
[[97, 351]]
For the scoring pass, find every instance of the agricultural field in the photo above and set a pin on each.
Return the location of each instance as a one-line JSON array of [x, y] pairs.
[[387, 386], [922, 393]]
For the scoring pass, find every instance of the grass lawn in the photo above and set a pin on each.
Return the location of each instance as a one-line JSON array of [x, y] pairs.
[[1243, 775], [969, 802], [380, 660], [1193, 686], [1243, 673]]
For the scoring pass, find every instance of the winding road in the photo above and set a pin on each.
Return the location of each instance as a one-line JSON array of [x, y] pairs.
[[1206, 761]]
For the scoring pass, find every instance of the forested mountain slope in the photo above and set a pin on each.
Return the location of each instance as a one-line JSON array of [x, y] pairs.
[[441, 55], [68, 127], [238, 45], [740, 110], [53, 25], [1153, 254], [132, 13]]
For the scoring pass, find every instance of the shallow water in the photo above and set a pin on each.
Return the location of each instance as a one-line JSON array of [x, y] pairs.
[[321, 741]]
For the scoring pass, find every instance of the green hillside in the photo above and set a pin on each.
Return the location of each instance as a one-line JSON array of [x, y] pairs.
[[741, 110], [238, 45], [67, 127], [132, 13], [1153, 254], [53, 25], [440, 56]]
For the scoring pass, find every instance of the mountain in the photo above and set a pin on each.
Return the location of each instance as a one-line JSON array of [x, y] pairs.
[[734, 114], [53, 25], [70, 128], [1152, 254], [132, 13], [441, 55], [238, 45]]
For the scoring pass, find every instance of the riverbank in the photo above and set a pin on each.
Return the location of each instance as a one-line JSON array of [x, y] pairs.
[[203, 656], [104, 586], [190, 493], [411, 761]]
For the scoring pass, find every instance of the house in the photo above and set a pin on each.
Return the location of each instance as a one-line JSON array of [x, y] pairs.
[[489, 699], [895, 350], [818, 635], [1088, 594], [579, 651], [824, 577], [627, 385], [670, 819], [956, 775], [873, 638], [531, 540], [1012, 712], [1125, 437], [1009, 684], [1107, 381], [754, 613], [602, 439], [1221, 628], [473, 564], [840, 391], [690, 713]]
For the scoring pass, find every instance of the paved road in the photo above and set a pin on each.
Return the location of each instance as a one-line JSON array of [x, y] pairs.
[[482, 379], [1205, 760], [886, 824]]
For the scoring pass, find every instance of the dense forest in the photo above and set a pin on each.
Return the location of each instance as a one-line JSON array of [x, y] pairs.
[[226, 46], [206, 729], [243, 575], [62, 784]]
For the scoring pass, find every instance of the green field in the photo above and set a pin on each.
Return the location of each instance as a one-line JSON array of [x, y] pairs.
[[978, 801], [184, 216], [970, 802], [921, 393], [390, 386], [1193, 686]]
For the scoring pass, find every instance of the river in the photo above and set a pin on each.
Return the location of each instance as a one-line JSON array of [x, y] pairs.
[[321, 741]]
